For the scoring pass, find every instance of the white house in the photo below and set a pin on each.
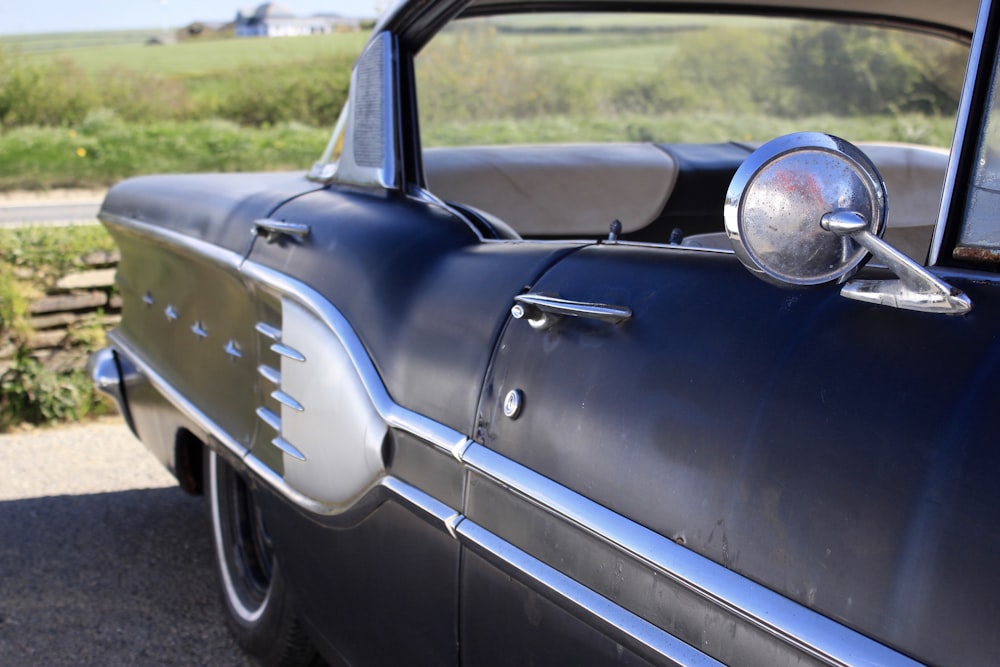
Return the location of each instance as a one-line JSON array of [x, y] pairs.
[[273, 20]]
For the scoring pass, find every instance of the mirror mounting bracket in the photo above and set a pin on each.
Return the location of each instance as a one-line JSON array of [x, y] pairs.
[[915, 289]]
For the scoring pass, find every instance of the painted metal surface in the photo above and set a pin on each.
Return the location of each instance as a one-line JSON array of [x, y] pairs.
[[750, 445]]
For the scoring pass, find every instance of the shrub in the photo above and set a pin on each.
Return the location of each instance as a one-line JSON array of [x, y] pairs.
[[30, 393], [35, 94], [13, 307], [311, 93], [856, 70]]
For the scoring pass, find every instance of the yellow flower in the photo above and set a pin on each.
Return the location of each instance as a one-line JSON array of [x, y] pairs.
[[81, 151], [72, 134]]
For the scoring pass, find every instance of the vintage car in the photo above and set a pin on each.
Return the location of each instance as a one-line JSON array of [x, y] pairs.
[[568, 351]]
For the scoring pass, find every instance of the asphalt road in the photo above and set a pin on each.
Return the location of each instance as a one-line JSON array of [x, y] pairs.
[[103, 560], [57, 208]]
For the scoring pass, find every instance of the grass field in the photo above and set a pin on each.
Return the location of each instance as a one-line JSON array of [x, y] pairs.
[[100, 154], [196, 58], [65, 42]]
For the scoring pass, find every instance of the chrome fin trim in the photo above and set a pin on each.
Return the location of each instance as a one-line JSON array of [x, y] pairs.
[[395, 416]]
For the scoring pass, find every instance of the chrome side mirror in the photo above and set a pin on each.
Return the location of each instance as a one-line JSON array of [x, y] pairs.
[[809, 209]]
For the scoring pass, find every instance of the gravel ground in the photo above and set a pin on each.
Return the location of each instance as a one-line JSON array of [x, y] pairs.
[[103, 559]]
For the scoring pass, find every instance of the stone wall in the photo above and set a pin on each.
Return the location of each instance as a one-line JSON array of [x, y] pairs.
[[66, 321]]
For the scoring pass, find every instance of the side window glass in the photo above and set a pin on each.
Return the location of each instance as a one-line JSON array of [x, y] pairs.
[[558, 124], [979, 239]]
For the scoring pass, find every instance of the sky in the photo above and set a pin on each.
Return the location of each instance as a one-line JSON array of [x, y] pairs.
[[37, 16]]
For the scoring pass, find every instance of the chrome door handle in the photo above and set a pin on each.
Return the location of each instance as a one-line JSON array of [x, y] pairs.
[[543, 311], [272, 229]]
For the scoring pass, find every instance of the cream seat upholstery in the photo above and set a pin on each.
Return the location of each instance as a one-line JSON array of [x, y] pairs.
[[568, 190]]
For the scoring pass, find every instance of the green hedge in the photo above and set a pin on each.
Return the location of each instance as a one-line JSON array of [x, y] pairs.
[[60, 93]]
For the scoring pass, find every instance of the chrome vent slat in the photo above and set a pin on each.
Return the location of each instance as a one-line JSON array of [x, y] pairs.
[[288, 448], [265, 329], [287, 352], [287, 400], [272, 375], [269, 418]]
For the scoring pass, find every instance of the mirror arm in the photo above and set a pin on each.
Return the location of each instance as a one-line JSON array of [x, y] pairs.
[[916, 289]]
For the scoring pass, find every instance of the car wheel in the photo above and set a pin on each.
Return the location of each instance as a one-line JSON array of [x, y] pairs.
[[259, 613]]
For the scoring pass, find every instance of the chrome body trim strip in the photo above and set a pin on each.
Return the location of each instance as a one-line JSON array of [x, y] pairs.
[[272, 375], [265, 329], [287, 352], [430, 506], [154, 233], [286, 400], [790, 622], [544, 577], [288, 448], [961, 131], [269, 418]]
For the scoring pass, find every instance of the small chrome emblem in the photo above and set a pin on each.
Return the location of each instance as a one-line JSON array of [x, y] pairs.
[[513, 402]]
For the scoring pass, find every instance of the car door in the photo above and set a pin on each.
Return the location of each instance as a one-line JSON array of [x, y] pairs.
[[670, 449], [835, 453]]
